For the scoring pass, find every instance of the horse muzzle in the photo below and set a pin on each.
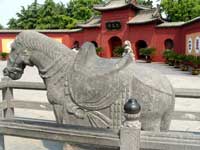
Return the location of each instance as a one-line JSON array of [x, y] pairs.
[[13, 73], [5, 72]]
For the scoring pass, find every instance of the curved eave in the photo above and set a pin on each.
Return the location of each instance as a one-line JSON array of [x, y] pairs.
[[43, 31], [174, 26], [143, 22], [89, 26], [110, 8], [197, 19], [171, 25], [119, 7], [192, 21]]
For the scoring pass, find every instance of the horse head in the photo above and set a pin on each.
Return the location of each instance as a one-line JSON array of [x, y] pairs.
[[18, 59]]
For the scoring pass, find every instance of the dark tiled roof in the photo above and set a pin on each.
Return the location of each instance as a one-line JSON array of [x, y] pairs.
[[193, 20], [43, 31], [178, 24], [95, 21], [115, 4], [145, 16], [171, 24]]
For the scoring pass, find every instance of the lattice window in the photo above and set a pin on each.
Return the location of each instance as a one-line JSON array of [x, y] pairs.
[[190, 45], [197, 44]]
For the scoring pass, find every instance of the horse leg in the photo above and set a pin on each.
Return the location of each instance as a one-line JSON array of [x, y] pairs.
[[58, 112], [165, 122], [152, 123], [166, 119], [167, 116]]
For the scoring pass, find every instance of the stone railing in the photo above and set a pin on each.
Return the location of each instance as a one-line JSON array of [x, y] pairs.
[[129, 136], [9, 125]]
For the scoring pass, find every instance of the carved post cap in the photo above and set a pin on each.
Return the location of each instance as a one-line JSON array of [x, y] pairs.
[[132, 114], [130, 131], [132, 107]]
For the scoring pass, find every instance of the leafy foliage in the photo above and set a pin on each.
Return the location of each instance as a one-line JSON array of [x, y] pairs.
[[12, 23], [147, 51], [118, 51], [195, 61], [181, 10], [1, 27], [82, 10], [148, 3], [4, 54], [53, 15], [99, 49]]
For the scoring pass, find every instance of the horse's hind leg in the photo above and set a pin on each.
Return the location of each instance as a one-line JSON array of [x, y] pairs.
[[167, 116], [58, 112], [166, 120], [151, 123]]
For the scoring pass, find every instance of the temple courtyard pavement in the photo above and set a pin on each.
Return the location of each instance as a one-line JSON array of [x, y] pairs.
[[178, 79]]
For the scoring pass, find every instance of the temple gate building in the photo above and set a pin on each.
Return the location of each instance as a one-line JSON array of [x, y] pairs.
[[122, 20]]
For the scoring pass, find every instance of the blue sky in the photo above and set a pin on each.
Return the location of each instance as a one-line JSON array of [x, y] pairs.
[[9, 8]]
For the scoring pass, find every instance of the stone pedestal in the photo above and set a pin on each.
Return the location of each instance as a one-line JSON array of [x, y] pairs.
[[130, 132]]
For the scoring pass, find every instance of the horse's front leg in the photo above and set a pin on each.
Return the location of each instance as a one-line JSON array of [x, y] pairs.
[[58, 112], [55, 97]]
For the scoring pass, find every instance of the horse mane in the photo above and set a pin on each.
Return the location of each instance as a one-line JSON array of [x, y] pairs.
[[33, 40]]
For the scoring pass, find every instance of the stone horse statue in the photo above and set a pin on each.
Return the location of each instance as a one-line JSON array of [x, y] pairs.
[[86, 89]]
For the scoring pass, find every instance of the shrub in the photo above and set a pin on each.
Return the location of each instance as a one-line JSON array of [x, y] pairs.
[[171, 58], [195, 61], [147, 51], [4, 54], [167, 53], [99, 49], [118, 51]]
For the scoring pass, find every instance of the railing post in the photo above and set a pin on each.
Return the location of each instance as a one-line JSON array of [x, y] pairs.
[[8, 112], [2, 143], [130, 132], [7, 94]]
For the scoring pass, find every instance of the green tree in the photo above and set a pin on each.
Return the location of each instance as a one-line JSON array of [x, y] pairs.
[[148, 3], [12, 23], [50, 15], [82, 10], [26, 18], [53, 16], [1, 26], [181, 10]]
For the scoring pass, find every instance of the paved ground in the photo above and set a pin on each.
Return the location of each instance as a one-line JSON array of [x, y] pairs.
[[178, 79]]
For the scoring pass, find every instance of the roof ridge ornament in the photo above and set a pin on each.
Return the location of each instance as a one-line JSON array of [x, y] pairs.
[[131, 1], [127, 1]]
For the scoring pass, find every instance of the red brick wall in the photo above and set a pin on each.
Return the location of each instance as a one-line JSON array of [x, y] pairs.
[[191, 28], [154, 36]]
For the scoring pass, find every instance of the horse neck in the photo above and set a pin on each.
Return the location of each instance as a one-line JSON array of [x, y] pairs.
[[40, 60], [47, 64]]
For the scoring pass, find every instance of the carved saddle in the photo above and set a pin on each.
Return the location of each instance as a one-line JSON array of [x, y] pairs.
[[94, 82]]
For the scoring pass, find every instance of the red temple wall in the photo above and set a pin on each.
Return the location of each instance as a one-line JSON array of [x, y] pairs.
[[189, 29], [152, 35]]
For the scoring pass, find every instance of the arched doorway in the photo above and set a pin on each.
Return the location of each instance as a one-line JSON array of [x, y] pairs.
[[140, 44], [76, 45], [169, 44], [114, 42], [95, 43]]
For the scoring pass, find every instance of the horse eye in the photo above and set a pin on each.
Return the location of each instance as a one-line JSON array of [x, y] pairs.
[[12, 49]]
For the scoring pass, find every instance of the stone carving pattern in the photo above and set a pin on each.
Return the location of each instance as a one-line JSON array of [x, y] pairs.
[[60, 69]]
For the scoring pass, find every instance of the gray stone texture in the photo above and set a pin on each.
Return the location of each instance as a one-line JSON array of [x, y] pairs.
[[90, 88]]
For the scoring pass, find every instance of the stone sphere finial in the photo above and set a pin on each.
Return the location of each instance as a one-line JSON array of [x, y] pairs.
[[132, 107], [132, 114]]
